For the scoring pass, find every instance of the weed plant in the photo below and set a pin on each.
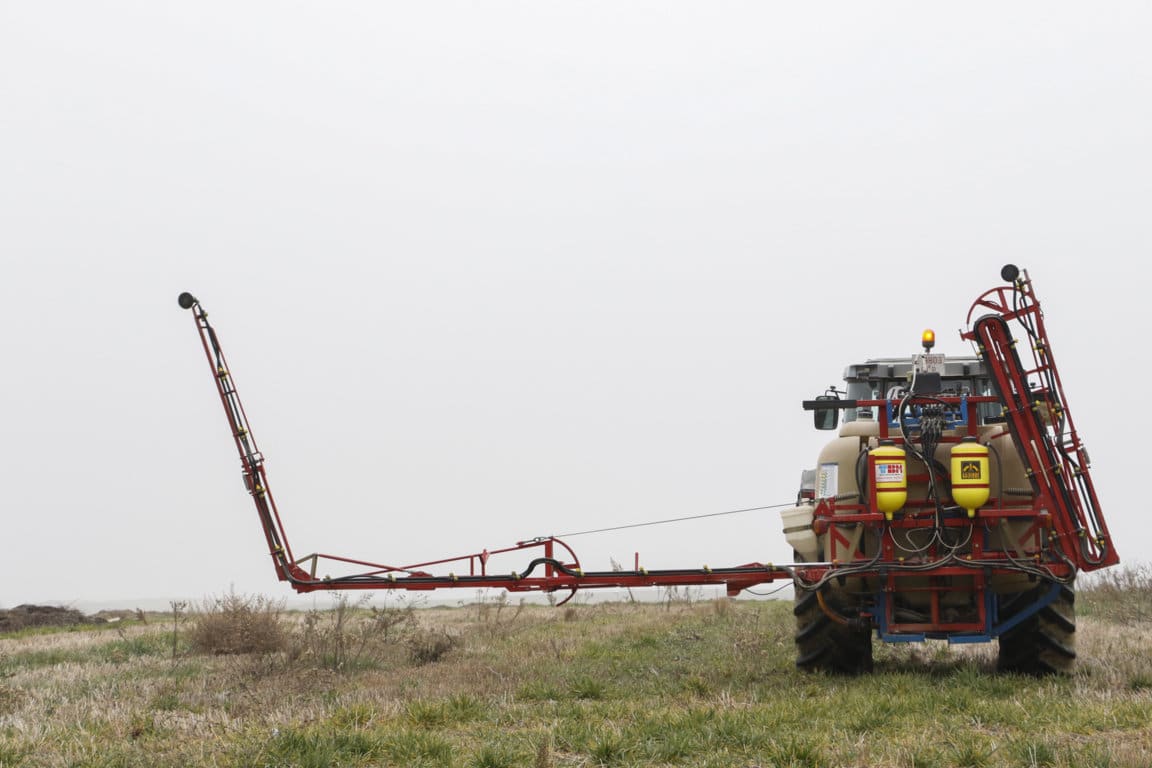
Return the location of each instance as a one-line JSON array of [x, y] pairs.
[[235, 623]]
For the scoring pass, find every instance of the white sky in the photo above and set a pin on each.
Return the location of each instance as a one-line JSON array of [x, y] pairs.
[[492, 270]]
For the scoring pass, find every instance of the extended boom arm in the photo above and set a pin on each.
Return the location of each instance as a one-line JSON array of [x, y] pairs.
[[546, 572]]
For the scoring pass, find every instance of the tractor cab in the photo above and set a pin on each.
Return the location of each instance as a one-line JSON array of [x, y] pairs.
[[892, 379]]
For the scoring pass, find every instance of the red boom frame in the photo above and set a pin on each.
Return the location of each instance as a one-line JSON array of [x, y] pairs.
[[560, 568], [1067, 533]]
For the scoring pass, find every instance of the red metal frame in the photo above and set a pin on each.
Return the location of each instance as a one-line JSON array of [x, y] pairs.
[[1042, 426], [1067, 531], [559, 566]]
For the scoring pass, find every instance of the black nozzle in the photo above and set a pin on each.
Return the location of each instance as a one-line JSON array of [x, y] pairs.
[[1009, 272], [186, 300]]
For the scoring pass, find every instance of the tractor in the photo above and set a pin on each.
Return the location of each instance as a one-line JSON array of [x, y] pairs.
[[955, 502]]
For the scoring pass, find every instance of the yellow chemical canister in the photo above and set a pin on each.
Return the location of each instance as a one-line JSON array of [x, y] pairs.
[[970, 488], [889, 478]]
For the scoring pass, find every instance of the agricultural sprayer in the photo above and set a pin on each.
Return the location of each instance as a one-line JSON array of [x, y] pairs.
[[955, 502]]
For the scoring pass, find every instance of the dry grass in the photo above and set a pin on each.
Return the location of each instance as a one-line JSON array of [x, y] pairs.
[[706, 683], [1118, 594]]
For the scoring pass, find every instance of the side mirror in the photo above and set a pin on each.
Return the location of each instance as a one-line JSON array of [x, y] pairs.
[[825, 418]]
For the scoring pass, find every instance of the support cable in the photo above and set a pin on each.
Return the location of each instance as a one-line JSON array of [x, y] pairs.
[[670, 520]]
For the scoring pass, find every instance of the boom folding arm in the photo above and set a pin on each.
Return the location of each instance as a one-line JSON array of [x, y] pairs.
[[553, 567], [1041, 425]]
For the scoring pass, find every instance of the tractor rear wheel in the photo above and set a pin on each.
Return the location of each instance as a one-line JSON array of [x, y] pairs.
[[826, 645], [1043, 644]]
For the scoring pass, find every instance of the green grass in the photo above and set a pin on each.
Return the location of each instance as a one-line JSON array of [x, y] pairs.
[[627, 685]]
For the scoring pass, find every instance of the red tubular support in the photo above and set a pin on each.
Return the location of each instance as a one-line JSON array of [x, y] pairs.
[[1040, 422]]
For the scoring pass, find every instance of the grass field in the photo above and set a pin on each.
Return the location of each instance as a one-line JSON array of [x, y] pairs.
[[496, 684]]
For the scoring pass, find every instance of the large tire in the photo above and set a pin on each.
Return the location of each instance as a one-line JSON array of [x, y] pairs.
[[824, 645], [1044, 644]]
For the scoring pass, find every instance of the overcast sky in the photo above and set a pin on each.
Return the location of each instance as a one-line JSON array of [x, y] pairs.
[[492, 270]]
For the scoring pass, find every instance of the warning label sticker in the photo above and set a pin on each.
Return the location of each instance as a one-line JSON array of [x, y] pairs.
[[889, 472], [970, 470]]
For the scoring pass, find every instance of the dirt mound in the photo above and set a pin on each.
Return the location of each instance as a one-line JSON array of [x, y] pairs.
[[23, 616]]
